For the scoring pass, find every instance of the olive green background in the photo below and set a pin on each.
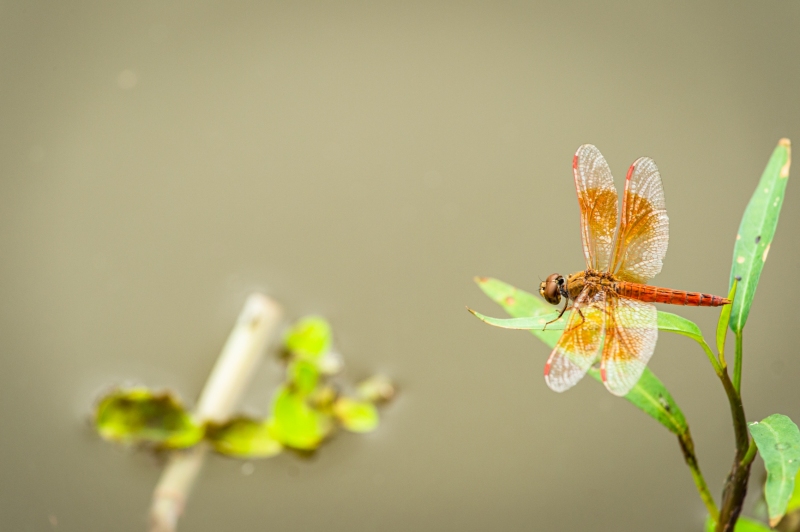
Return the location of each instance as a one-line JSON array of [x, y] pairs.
[[364, 160]]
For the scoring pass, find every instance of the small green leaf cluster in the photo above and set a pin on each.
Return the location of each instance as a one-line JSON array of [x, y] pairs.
[[306, 408]]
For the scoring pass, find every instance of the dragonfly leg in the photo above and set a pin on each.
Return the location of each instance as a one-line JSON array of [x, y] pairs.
[[563, 310]]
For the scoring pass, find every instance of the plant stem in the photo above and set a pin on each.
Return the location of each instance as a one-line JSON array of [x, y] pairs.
[[736, 484], [751, 453], [223, 389], [737, 365], [687, 446]]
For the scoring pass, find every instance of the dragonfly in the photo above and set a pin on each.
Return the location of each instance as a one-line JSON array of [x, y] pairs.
[[613, 319]]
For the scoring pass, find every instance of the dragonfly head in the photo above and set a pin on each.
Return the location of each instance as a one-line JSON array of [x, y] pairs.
[[552, 288]]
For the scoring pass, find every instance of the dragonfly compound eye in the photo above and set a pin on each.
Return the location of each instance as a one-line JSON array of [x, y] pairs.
[[549, 289]]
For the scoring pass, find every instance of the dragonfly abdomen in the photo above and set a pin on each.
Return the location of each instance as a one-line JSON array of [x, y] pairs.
[[656, 294]]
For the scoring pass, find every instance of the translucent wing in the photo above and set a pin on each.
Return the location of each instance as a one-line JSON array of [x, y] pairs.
[[630, 339], [579, 345], [644, 227], [597, 199]]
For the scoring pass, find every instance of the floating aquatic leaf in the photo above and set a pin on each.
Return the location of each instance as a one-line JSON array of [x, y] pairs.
[[649, 394], [243, 438], [303, 375], [295, 423], [756, 232], [356, 416], [778, 442], [138, 415], [309, 337]]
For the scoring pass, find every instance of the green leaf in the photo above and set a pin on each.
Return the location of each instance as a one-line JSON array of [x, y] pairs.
[[673, 323], [756, 232], [666, 322], [309, 337], [724, 319], [243, 438], [520, 304], [294, 423], [356, 416], [743, 524], [304, 376], [649, 394], [778, 442], [794, 500], [532, 323], [138, 415]]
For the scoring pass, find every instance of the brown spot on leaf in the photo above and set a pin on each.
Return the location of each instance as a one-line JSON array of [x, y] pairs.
[[510, 300]]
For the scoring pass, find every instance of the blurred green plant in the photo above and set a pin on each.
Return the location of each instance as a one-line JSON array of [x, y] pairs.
[[775, 438], [306, 408]]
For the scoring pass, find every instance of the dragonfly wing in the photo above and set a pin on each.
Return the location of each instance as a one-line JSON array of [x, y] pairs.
[[579, 345], [630, 339], [597, 199], [644, 227]]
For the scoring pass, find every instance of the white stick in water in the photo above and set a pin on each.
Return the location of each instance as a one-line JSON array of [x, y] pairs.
[[226, 384]]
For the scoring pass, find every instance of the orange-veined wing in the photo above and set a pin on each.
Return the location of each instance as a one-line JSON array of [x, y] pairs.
[[579, 345], [630, 339], [597, 199], [644, 226]]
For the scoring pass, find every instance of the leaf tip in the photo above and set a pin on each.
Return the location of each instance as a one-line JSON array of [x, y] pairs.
[[786, 143], [481, 280], [773, 521]]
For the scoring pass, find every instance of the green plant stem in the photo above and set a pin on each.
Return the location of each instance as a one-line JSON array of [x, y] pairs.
[[736, 484], [751, 453], [737, 365], [687, 446]]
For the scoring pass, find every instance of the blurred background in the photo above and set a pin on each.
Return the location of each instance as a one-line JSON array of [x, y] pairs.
[[364, 160]]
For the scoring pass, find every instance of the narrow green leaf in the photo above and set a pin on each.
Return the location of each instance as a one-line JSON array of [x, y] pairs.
[[778, 442], [294, 423], [757, 230], [356, 416], [243, 438], [519, 304], [743, 524], [724, 319], [310, 337], [139, 416], [666, 322], [649, 394], [678, 324], [532, 323]]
